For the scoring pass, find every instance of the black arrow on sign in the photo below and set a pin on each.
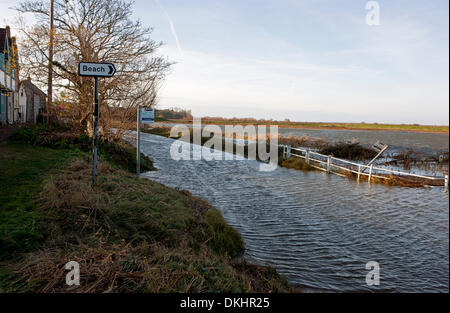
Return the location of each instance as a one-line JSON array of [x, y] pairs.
[[111, 69]]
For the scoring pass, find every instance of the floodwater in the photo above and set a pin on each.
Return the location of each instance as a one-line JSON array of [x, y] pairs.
[[397, 140], [319, 231]]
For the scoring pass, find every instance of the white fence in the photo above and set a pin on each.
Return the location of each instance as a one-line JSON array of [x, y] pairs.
[[329, 163]]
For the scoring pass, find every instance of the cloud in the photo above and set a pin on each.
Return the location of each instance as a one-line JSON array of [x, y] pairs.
[[172, 28], [213, 84]]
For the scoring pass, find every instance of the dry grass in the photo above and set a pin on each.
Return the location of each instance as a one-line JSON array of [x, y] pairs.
[[122, 268], [397, 180], [132, 235], [406, 181], [297, 164]]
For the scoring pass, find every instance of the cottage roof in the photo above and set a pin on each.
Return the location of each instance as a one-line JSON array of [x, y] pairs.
[[27, 84]]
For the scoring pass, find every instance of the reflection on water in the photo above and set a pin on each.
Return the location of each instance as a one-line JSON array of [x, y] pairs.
[[320, 230]]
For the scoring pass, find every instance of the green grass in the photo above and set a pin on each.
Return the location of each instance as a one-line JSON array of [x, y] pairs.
[[160, 119], [23, 169], [128, 234], [160, 131], [118, 153]]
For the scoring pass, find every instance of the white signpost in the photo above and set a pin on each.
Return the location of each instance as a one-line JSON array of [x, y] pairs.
[[96, 70], [148, 116], [144, 116]]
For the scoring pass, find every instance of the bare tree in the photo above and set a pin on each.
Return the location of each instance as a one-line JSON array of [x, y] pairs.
[[94, 31]]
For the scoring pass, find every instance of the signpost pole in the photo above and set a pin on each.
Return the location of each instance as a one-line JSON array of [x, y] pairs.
[[94, 169], [138, 145], [96, 70], [382, 149], [144, 116]]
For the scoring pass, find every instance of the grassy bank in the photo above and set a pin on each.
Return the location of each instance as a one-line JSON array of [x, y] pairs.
[[332, 126], [127, 234]]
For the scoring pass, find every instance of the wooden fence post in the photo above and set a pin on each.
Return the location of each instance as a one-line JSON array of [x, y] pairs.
[[446, 182], [359, 172], [307, 156], [370, 173], [289, 152], [329, 164]]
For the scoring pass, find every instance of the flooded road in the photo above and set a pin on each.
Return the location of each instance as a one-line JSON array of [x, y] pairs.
[[320, 230]]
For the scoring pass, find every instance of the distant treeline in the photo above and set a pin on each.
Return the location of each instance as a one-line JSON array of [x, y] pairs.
[[330, 125], [173, 114], [243, 119], [160, 114]]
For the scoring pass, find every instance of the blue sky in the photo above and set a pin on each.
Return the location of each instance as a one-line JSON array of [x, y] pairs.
[[306, 60]]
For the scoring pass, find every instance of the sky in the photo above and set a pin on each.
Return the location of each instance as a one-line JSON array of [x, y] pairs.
[[305, 60]]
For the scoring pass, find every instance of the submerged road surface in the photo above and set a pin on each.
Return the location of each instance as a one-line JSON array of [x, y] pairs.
[[320, 230]]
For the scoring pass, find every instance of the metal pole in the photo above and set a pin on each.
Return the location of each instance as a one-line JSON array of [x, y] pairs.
[[138, 145], [375, 158], [94, 169], [50, 65], [370, 172]]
